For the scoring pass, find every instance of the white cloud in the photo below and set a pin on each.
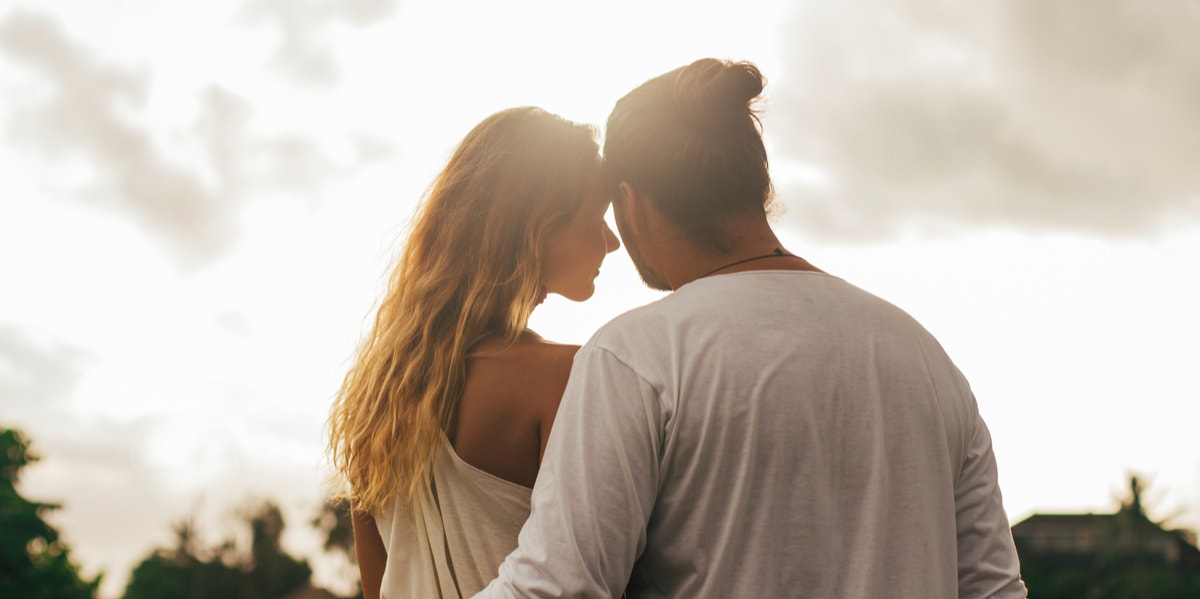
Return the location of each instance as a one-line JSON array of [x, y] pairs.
[[90, 124], [88, 115], [304, 50], [1074, 115], [36, 373]]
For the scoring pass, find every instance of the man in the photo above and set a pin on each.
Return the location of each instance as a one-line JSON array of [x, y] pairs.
[[767, 430]]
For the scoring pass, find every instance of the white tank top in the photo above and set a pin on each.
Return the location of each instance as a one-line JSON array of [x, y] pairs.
[[451, 544]]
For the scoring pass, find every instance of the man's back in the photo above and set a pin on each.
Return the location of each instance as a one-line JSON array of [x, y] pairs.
[[767, 434]]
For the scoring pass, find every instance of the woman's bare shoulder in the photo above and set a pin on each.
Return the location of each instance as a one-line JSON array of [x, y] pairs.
[[526, 366], [508, 404]]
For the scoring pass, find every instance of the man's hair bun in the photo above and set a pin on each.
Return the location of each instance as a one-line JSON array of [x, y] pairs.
[[717, 94]]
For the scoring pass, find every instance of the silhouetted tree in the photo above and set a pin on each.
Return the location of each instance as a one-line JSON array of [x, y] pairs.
[[334, 522], [34, 562], [274, 573], [192, 571]]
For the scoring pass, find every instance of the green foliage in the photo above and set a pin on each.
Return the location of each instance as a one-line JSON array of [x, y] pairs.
[[1118, 581], [166, 575], [192, 571], [1122, 564], [34, 562]]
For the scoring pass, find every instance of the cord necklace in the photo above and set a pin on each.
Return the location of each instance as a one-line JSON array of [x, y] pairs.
[[778, 253]]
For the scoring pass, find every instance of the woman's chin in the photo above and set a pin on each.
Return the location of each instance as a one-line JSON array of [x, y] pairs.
[[579, 295]]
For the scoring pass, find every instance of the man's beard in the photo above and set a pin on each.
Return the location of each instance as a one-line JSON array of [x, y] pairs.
[[652, 278]]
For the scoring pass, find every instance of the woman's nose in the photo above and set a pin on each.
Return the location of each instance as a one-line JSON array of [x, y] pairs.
[[611, 243]]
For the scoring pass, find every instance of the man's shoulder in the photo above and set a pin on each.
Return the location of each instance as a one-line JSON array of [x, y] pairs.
[[637, 334]]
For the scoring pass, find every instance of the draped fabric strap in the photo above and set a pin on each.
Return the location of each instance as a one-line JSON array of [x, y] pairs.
[[437, 502], [450, 542]]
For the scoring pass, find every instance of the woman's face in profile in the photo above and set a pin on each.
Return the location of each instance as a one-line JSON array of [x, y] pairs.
[[575, 250]]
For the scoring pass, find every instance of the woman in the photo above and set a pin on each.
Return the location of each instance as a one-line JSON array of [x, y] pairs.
[[441, 422]]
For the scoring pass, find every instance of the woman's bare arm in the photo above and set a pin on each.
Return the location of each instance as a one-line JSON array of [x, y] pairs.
[[372, 556]]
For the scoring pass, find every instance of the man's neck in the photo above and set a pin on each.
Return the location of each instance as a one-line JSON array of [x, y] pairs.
[[751, 246]]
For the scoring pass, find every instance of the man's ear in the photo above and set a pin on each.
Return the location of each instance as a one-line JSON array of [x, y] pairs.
[[632, 207]]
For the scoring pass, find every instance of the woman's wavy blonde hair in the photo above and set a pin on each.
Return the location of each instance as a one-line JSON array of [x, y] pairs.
[[471, 267]]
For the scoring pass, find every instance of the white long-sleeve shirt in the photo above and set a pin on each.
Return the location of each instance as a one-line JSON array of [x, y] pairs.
[[765, 434]]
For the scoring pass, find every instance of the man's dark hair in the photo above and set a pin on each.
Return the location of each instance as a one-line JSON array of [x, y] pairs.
[[692, 141]]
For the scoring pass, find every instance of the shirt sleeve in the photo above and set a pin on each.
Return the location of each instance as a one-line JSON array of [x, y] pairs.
[[987, 558], [595, 489]]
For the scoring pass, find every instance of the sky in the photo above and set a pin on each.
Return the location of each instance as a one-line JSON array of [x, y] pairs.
[[199, 202]]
